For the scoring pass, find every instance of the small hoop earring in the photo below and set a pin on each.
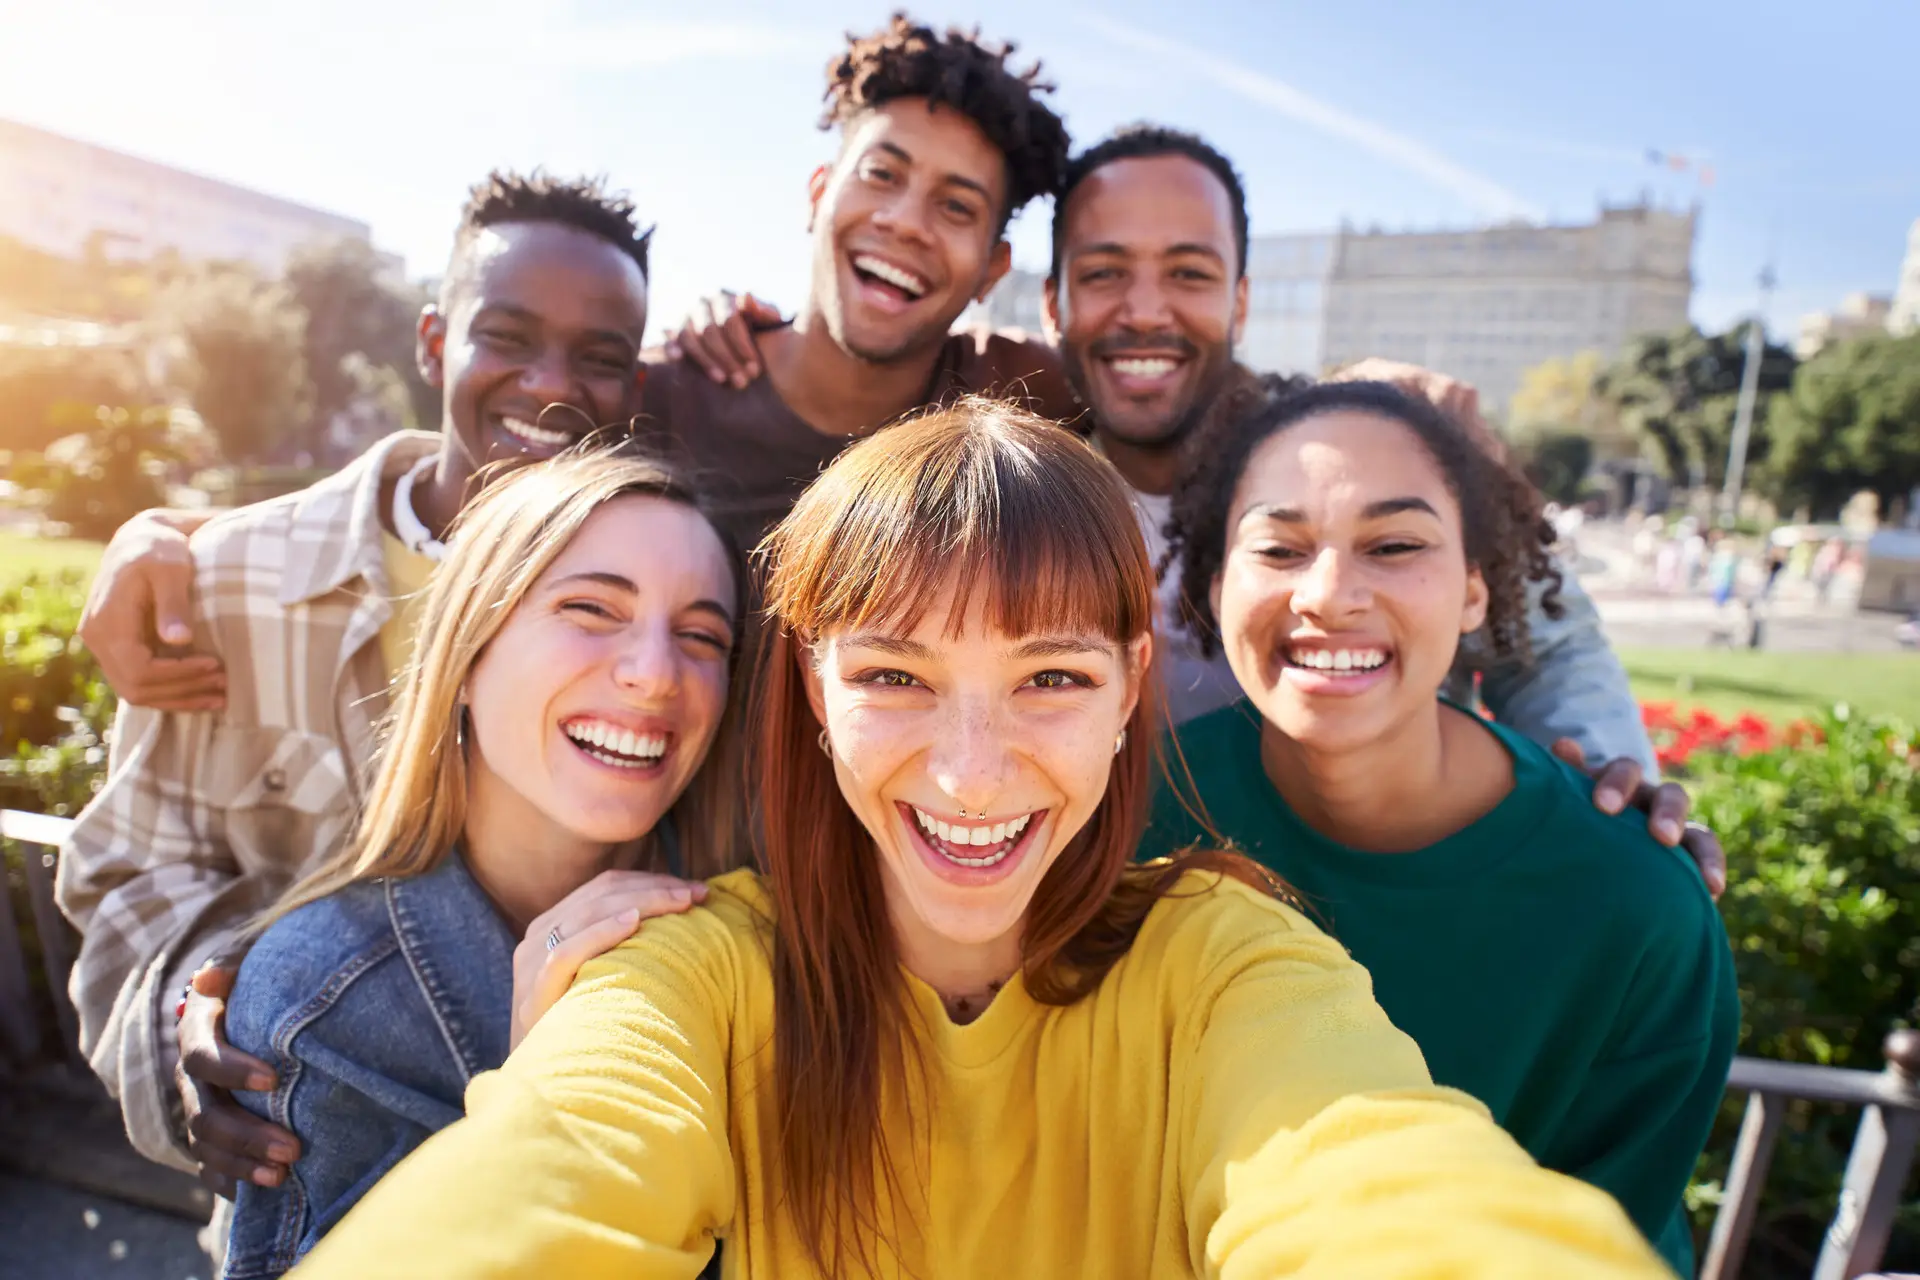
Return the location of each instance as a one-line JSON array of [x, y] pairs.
[[1120, 742], [826, 748], [460, 727]]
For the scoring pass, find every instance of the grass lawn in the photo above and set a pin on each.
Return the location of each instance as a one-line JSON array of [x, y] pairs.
[[1777, 686], [21, 554]]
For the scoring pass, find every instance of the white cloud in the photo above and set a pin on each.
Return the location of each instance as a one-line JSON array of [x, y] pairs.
[[1480, 192]]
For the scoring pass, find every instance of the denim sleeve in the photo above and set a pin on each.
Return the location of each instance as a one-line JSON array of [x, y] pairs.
[[346, 1089], [1574, 688]]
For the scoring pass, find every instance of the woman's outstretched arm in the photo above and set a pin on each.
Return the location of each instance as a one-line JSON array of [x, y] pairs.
[[1315, 1147]]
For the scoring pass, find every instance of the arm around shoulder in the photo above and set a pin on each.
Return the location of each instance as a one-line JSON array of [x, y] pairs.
[[1574, 687], [601, 1148]]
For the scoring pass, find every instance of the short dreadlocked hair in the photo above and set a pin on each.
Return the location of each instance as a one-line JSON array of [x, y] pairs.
[[1507, 537], [907, 60], [584, 204], [1149, 142]]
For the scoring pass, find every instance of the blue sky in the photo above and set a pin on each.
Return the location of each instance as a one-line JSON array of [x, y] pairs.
[[1381, 112]]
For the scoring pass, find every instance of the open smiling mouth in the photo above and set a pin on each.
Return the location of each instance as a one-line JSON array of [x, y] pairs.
[[532, 433], [1328, 669], [889, 280], [1141, 373], [975, 848], [619, 748]]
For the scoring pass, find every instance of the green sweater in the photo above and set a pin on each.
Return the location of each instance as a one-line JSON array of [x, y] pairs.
[[1549, 959]]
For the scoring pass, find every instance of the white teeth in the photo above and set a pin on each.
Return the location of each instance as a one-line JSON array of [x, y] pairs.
[[534, 434], [615, 745], [1340, 660], [906, 282], [1145, 367], [953, 836]]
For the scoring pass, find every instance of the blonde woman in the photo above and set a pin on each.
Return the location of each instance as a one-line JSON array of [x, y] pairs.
[[953, 1031], [559, 735]]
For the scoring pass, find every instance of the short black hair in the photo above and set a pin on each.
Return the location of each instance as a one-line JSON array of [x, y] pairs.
[[583, 203], [1146, 142], [1506, 534], [905, 59]]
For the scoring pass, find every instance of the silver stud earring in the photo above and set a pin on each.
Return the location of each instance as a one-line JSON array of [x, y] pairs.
[[1120, 742], [826, 748]]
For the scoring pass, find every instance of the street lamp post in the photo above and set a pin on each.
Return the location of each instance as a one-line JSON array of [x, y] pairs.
[[1743, 410]]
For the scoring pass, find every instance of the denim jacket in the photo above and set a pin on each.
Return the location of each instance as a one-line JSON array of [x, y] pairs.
[[376, 1006]]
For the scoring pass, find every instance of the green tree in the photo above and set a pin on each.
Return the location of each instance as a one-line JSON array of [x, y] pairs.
[[95, 480], [1558, 462], [1678, 391], [1850, 422], [50, 392], [1559, 396], [360, 320], [236, 348]]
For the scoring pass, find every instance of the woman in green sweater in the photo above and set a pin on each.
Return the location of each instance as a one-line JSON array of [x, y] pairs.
[[952, 1031], [1342, 544]]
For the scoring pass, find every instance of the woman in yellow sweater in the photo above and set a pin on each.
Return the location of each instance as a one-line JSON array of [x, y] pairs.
[[951, 1031]]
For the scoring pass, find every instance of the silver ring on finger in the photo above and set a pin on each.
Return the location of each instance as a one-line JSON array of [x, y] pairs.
[[553, 937]]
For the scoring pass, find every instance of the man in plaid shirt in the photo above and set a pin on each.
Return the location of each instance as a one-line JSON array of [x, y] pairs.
[[307, 600]]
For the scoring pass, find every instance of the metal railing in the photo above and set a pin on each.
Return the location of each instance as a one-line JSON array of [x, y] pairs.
[[1883, 1147], [1883, 1151]]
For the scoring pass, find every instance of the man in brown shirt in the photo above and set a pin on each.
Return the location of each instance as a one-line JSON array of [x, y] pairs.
[[941, 144]]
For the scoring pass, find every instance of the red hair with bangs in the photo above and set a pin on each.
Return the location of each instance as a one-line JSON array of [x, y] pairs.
[[989, 499]]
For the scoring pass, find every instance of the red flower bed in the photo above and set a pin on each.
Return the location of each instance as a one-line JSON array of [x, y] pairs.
[[1676, 737]]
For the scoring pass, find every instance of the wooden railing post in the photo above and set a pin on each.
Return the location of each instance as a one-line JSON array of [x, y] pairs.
[[1876, 1170]]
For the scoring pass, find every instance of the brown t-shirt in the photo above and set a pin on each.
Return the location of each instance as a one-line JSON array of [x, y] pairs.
[[752, 455]]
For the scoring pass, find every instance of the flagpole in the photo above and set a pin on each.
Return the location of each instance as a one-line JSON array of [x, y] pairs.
[[1743, 409]]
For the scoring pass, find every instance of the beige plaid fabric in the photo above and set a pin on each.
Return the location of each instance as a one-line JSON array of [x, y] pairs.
[[205, 817]]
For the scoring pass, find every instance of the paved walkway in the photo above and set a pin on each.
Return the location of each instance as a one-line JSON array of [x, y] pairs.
[[49, 1232]]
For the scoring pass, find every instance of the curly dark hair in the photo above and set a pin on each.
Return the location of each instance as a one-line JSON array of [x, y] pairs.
[[584, 204], [907, 60], [1506, 534], [1146, 142]]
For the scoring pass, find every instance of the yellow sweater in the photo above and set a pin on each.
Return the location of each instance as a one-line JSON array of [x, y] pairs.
[[1230, 1101]]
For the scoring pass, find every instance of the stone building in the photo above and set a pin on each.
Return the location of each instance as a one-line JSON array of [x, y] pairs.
[[1484, 305], [67, 197]]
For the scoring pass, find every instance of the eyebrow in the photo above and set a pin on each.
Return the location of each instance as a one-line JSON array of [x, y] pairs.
[[1043, 647], [957, 179], [1374, 510], [620, 582], [1172, 251]]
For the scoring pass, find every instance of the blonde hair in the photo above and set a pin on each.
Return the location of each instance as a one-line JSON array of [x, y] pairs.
[[416, 807]]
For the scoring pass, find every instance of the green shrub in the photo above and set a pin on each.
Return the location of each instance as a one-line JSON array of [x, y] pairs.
[[96, 479], [54, 707], [1823, 910]]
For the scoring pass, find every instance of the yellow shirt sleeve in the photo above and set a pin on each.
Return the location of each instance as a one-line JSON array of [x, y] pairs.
[[1316, 1146], [600, 1148]]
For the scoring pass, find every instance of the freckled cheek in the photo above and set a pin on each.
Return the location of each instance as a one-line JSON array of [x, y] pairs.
[[874, 743], [1067, 758]]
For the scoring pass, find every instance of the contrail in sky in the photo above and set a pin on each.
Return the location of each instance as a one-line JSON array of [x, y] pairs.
[[1482, 193]]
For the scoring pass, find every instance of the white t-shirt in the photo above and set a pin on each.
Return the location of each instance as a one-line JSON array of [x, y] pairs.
[[1194, 685]]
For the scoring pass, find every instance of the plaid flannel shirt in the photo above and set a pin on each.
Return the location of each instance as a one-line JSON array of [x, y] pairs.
[[206, 817]]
